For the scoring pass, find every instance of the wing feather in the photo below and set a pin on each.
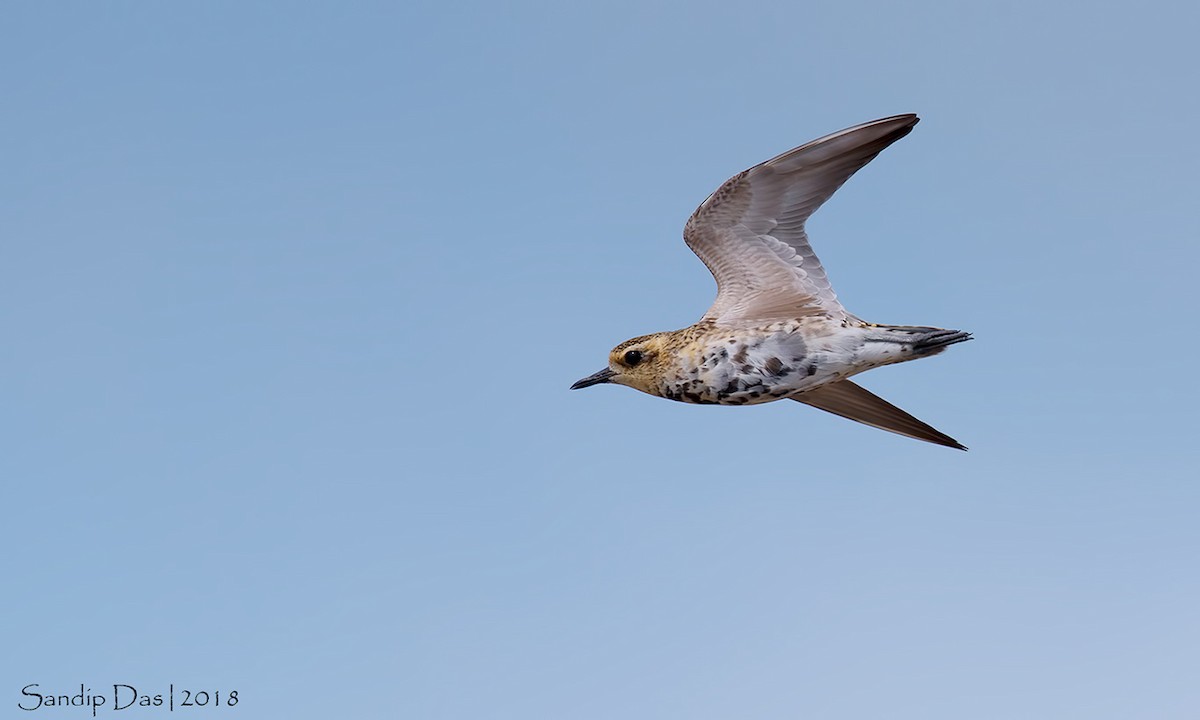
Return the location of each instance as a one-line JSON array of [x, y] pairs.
[[857, 403], [750, 232]]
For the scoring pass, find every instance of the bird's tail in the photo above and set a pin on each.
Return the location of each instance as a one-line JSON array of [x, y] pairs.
[[888, 344], [916, 341]]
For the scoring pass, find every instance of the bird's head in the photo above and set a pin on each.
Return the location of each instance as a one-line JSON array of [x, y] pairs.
[[638, 363]]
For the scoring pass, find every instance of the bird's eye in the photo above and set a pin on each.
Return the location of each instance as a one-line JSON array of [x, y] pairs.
[[633, 357]]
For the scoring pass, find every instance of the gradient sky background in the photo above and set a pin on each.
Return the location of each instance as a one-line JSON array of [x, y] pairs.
[[292, 294]]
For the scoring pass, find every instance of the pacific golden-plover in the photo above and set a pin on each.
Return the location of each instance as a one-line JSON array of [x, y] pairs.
[[776, 329]]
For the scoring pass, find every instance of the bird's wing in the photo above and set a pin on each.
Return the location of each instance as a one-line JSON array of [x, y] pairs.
[[851, 401], [750, 232]]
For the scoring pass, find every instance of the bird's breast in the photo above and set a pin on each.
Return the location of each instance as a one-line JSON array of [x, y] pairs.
[[743, 368]]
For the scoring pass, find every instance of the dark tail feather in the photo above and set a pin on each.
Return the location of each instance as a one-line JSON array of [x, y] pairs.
[[938, 341], [922, 340], [853, 402]]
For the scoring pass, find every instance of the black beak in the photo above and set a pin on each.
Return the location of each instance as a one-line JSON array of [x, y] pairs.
[[603, 376]]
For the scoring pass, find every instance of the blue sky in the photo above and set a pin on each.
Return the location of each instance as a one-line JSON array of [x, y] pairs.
[[293, 294]]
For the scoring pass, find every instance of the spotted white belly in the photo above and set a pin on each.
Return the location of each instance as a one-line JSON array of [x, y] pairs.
[[752, 366]]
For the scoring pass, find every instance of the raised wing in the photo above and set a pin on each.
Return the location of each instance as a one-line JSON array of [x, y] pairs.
[[750, 232]]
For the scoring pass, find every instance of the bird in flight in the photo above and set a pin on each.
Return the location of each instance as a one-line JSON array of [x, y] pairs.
[[776, 329]]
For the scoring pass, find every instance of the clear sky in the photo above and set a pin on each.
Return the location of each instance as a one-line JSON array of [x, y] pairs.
[[292, 294]]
